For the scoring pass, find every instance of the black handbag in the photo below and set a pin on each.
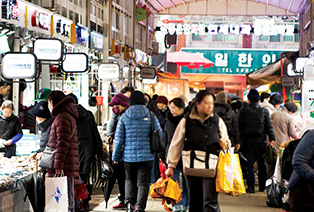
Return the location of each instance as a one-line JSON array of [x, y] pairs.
[[156, 143], [48, 157], [275, 192], [270, 155]]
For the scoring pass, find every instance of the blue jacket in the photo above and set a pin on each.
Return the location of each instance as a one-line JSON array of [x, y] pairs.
[[133, 131], [303, 161]]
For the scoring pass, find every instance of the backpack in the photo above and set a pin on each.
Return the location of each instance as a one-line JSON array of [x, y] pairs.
[[227, 118], [254, 122]]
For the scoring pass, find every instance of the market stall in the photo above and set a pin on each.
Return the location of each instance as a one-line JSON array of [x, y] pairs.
[[12, 192]]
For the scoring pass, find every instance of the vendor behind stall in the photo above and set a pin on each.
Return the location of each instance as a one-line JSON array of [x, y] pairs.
[[10, 129]]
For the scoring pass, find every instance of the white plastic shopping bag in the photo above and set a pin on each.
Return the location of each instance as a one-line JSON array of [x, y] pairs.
[[57, 194]]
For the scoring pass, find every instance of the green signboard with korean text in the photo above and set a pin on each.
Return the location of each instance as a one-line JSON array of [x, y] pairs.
[[234, 61]]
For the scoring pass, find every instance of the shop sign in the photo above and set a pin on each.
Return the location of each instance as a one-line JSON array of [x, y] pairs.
[[148, 72], [62, 27], [287, 81], [19, 66], [97, 41], [234, 61], [27, 15], [109, 71], [41, 19], [48, 49], [261, 27], [75, 63], [10, 9], [26, 145], [81, 35]]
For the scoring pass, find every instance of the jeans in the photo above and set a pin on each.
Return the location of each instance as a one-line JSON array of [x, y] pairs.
[[203, 196], [255, 152], [183, 205], [137, 183]]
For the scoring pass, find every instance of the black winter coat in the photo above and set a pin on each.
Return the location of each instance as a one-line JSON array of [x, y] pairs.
[[224, 110], [267, 126], [10, 127], [169, 129], [45, 132], [89, 141]]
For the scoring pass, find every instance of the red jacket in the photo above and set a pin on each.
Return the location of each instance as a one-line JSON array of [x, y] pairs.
[[66, 157]]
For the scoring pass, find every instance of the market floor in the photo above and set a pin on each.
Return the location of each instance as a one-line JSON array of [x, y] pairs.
[[246, 203]]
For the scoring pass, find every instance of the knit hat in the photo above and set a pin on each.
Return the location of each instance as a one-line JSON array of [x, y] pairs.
[[221, 97], [41, 110], [253, 96], [120, 99], [162, 99], [137, 98], [276, 100], [42, 94]]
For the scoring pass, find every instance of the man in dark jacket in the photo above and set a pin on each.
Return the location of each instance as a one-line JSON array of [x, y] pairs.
[[89, 144], [4, 90], [226, 113], [255, 124]]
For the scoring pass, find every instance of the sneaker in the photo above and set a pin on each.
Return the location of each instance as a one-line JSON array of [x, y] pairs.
[[120, 206], [250, 190]]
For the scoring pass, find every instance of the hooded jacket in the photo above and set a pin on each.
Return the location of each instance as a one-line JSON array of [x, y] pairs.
[[225, 110], [133, 131], [268, 106], [45, 132], [89, 141], [66, 157]]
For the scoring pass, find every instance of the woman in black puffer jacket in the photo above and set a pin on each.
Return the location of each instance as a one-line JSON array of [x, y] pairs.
[[174, 117]]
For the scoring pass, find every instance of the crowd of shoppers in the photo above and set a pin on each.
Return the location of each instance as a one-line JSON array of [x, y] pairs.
[[209, 123]]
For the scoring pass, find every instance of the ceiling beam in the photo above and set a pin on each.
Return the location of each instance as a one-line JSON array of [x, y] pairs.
[[162, 6], [290, 5], [183, 2], [173, 3], [149, 4]]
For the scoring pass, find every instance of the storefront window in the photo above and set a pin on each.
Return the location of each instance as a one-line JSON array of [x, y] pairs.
[[297, 35], [64, 12], [231, 38], [196, 37], [274, 38], [218, 37], [263, 38], [117, 21], [288, 38]]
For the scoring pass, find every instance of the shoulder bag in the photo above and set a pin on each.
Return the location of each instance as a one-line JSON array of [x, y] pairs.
[[48, 157], [156, 142]]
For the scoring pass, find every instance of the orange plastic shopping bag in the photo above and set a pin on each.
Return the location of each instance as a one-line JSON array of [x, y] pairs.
[[229, 179], [167, 190]]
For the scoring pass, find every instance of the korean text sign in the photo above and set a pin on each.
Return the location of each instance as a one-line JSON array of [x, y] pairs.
[[234, 61]]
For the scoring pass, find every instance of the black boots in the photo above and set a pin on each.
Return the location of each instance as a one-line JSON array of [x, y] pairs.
[[129, 208]]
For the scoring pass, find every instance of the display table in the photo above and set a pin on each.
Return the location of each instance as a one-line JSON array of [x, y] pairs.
[[12, 192]]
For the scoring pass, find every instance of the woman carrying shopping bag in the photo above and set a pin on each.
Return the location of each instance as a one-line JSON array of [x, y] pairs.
[[63, 136], [199, 137], [174, 116]]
